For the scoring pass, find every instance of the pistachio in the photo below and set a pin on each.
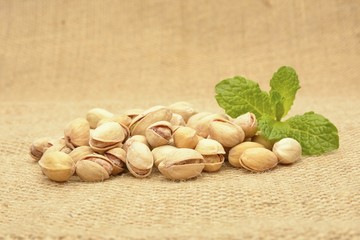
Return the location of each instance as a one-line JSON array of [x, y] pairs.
[[139, 160], [248, 123], [184, 109], [201, 121], [159, 133], [123, 119], [90, 171], [235, 152], [117, 156], [259, 138], [177, 120], [135, 138], [94, 115], [77, 133], [213, 153], [80, 152], [57, 166], [132, 113], [182, 164], [38, 147], [106, 136], [59, 145], [185, 137], [287, 150], [258, 159], [101, 160], [160, 153], [226, 132]]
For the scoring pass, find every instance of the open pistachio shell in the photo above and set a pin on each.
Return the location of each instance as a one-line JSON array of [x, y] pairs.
[[185, 137], [101, 160], [77, 133], [185, 109], [213, 162], [159, 133], [160, 153], [139, 160], [91, 171], [258, 159], [80, 152], [226, 132], [135, 138], [38, 147], [57, 166], [209, 147], [117, 156], [201, 121], [107, 136], [237, 151], [94, 115]]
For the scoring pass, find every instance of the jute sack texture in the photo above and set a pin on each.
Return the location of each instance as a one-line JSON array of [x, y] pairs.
[[58, 59]]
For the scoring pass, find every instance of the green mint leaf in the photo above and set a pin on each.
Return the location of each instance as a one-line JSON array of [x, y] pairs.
[[239, 95], [286, 83], [315, 133]]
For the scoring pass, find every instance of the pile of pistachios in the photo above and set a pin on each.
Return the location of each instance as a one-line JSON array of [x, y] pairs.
[[176, 140]]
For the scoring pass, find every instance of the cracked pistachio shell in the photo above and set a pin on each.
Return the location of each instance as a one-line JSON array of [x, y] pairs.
[[107, 136], [139, 160], [90, 171], [160, 153], [248, 123], [185, 137], [259, 138], [101, 160], [57, 166], [80, 152], [117, 156], [226, 132], [59, 145], [201, 122], [287, 150], [38, 147], [155, 114], [185, 109], [77, 133], [135, 138], [258, 159], [159, 133], [182, 164], [94, 115], [177, 120], [132, 113], [209, 147], [235, 152], [213, 162]]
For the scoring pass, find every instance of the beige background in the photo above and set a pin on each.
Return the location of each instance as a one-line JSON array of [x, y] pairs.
[[60, 58]]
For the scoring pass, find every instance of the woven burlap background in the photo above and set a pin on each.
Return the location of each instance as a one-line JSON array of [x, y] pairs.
[[60, 58]]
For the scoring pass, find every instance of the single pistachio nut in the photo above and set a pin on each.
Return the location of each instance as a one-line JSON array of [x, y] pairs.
[[159, 133], [182, 164], [226, 133], [177, 120], [235, 152], [201, 122], [123, 119], [94, 115], [59, 145], [101, 160], [132, 113], [38, 147], [248, 123], [287, 150], [185, 109], [117, 156], [258, 159], [106, 136], [139, 160], [259, 138], [77, 133], [185, 137], [155, 114], [213, 153], [57, 166], [160, 153], [80, 152], [135, 138], [90, 171]]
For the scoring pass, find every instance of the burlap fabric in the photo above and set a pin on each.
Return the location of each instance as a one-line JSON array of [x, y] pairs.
[[60, 58]]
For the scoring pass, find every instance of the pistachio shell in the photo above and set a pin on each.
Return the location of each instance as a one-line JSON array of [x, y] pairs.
[[57, 166], [248, 123], [135, 138], [101, 160], [258, 159], [213, 162], [182, 164], [235, 152], [201, 121], [159, 133], [117, 156], [287, 150], [259, 138], [185, 137], [90, 171], [38, 147], [94, 115], [177, 120], [226, 132], [108, 135], [77, 133], [160, 153], [139, 160], [80, 152], [140, 123], [209, 147], [132, 113], [185, 109]]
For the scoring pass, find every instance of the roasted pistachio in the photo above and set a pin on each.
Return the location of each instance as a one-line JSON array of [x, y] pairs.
[[106, 136], [213, 153], [101, 160], [80, 152], [139, 160], [160, 153], [258, 159], [287, 150], [57, 166], [235, 152], [185, 109], [226, 132], [94, 115], [259, 138], [201, 121], [77, 133], [135, 138], [39, 146], [185, 137], [159, 133], [91, 171], [117, 157], [248, 123], [177, 120]]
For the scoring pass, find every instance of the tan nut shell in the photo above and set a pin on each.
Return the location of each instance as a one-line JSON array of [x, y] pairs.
[[213, 162], [248, 123], [140, 123], [38, 147], [209, 147], [159, 133], [258, 159], [185, 137], [57, 166], [160, 153], [235, 152], [139, 160], [107, 136], [185, 109], [287, 150], [135, 138], [90, 171], [80, 152], [117, 156], [259, 138], [182, 164], [226, 132], [132, 113], [77, 133], [177, 120], [101, 160], [201, 122], [94, 115]]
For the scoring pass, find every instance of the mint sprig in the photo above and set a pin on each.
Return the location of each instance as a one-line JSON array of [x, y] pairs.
[[238, 95]]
